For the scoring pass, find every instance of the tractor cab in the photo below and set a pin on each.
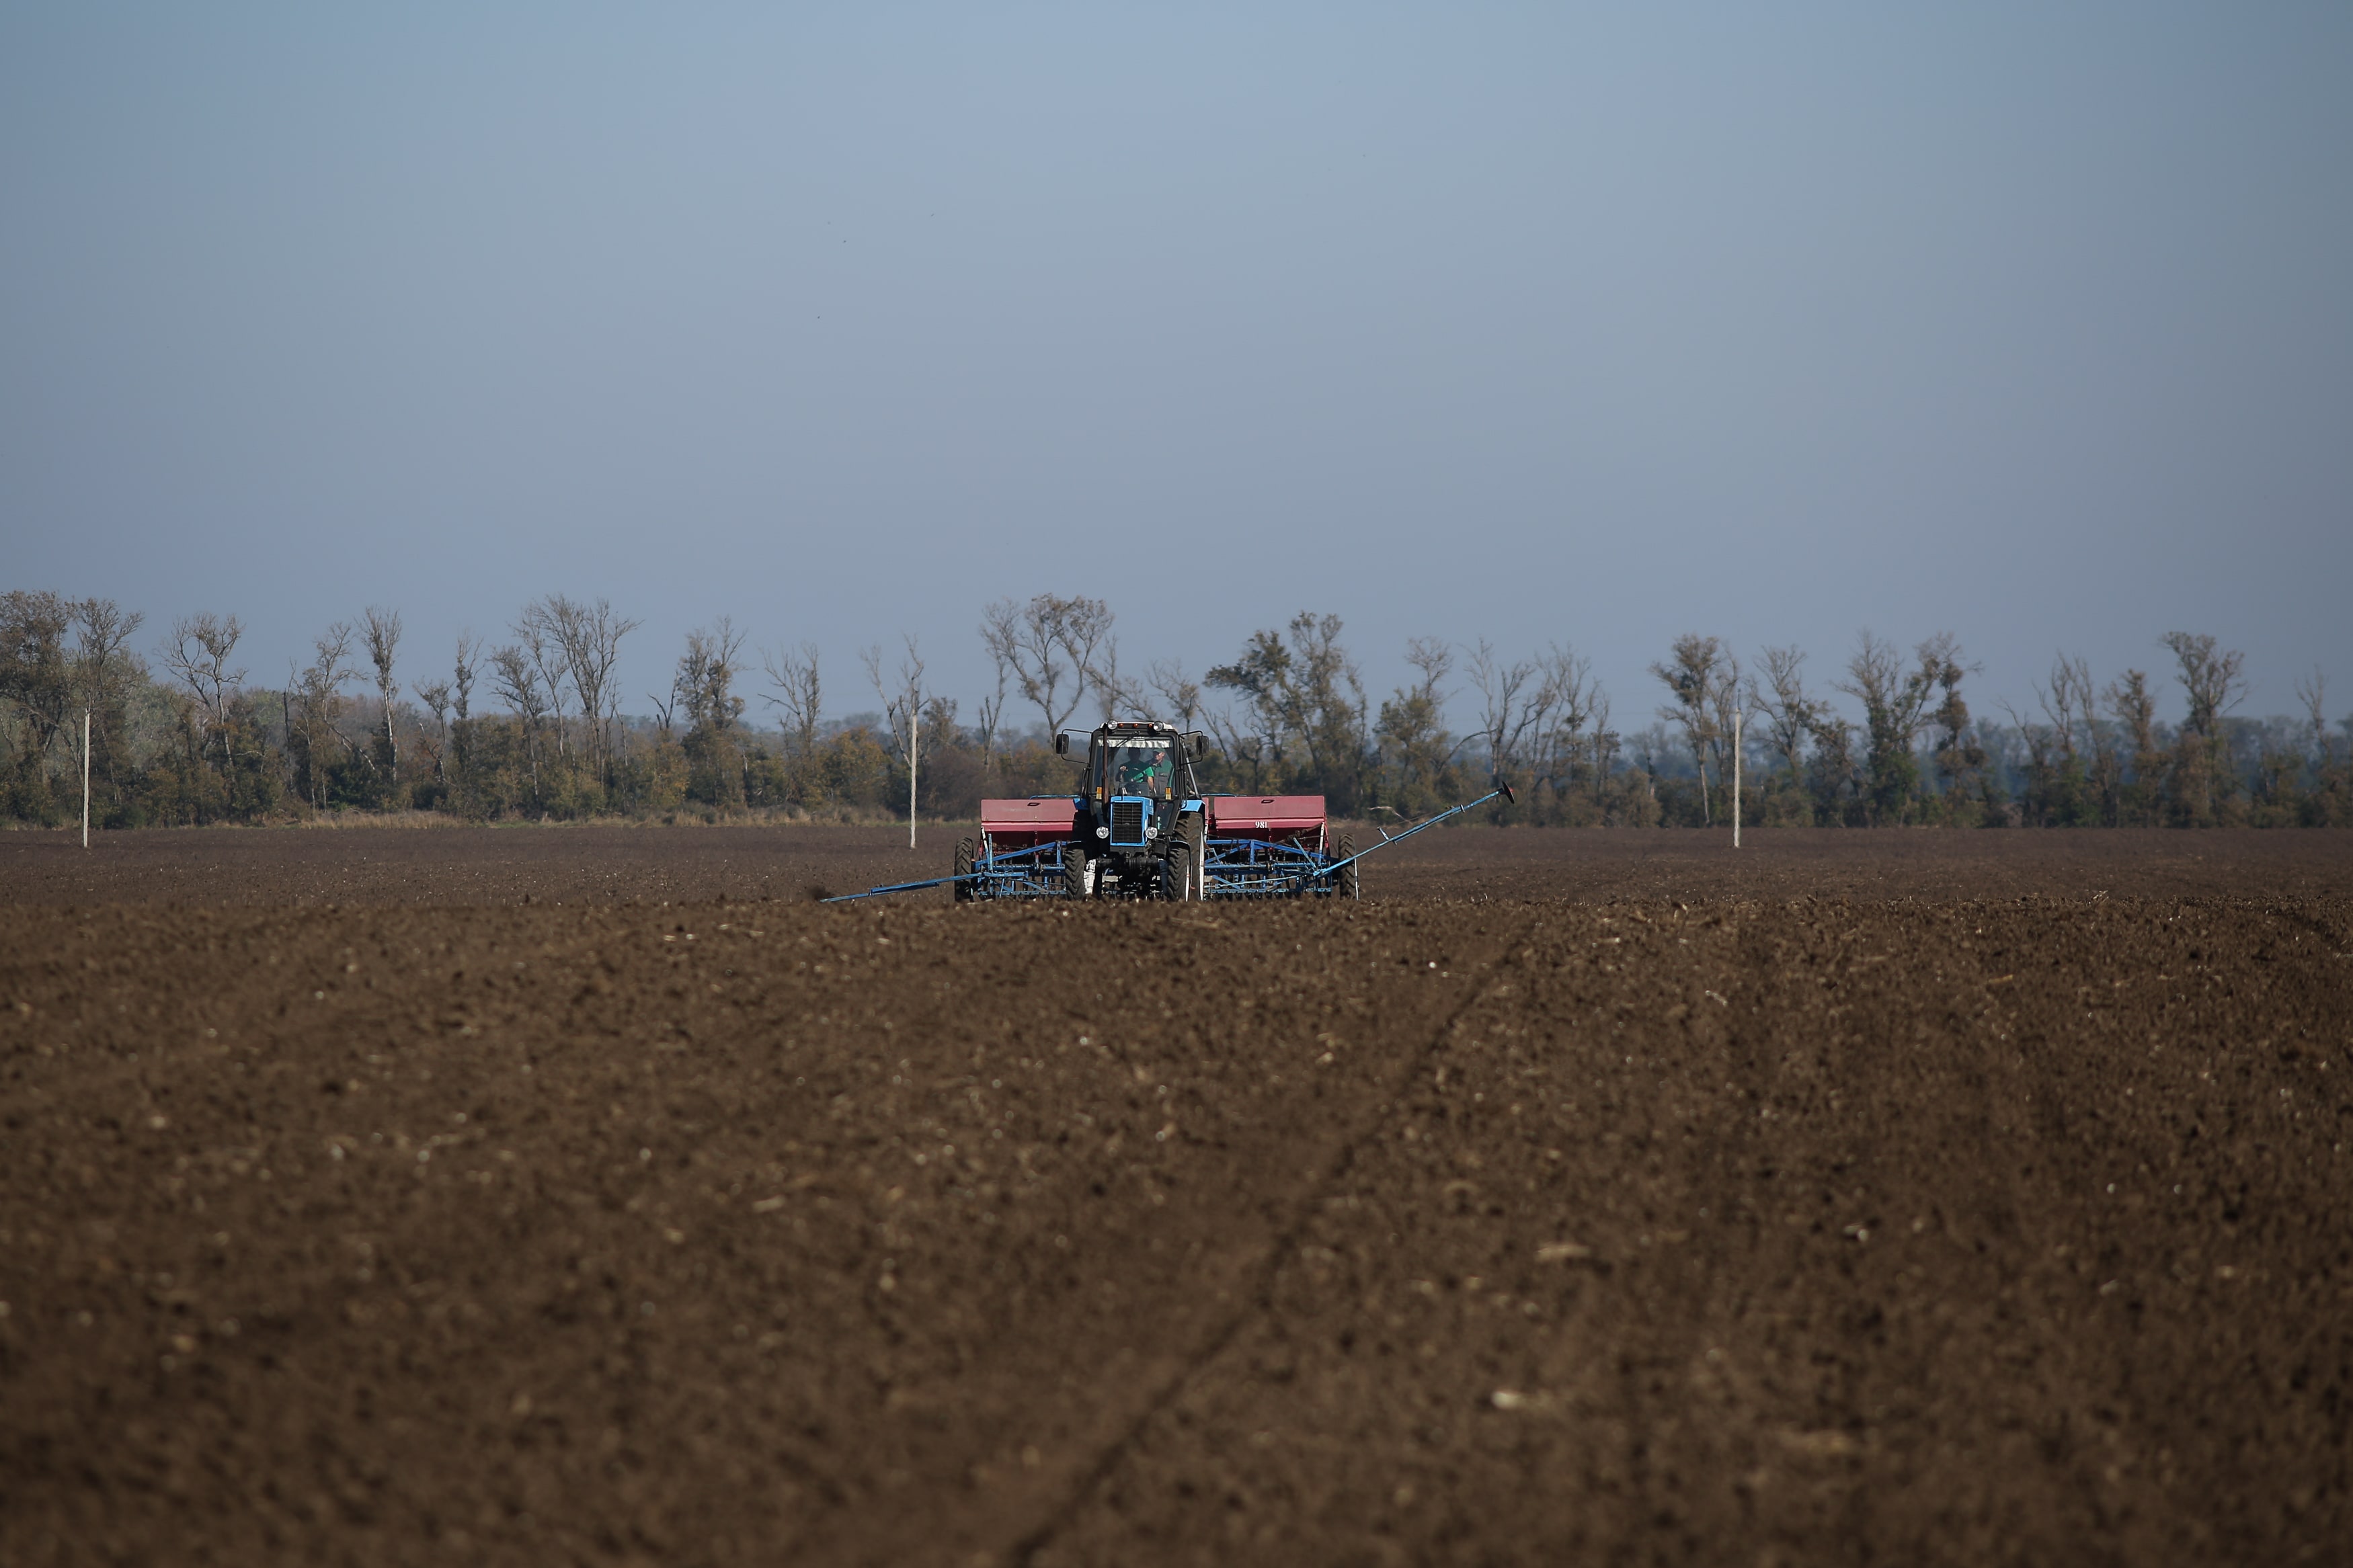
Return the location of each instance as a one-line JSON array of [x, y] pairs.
[[1142, 767]]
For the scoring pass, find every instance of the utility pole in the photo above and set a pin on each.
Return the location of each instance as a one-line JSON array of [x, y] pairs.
[[85, 778], [906, 709], [1737, 717], [894, 712]]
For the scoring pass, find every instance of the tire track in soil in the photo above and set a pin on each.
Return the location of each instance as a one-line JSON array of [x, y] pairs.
[[1028, 1548]]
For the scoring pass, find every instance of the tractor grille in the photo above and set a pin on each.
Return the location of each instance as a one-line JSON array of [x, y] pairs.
[[1128, 824]]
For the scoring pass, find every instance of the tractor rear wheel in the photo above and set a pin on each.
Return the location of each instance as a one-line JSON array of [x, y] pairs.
[[1344, 884], [961, 888]]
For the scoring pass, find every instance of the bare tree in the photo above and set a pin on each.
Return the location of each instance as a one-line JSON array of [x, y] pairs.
[[1895, 704], [799, 692], [436, 695], [198, 653], [102, 640], [1697, 674], [2044, 765], [1179, 697], [319, 692], [2130, 704], [705, 682], [540, 642], [1724, 713], [1510, 704], [1570, 701], [1604, 746], [516, 677], [902, 705], [2312, 691], [382, 632], [2070, 705], [1113, 691], [2209, 675], [1001, 627], [466, 670], [1306, 693], [704, 686], [104, 670], [1790, 715], [2072, 747], [992, 708], [1266, 678], [940, 729], [1411, 728], [587, 640], [1051, 645], [1084, 627]]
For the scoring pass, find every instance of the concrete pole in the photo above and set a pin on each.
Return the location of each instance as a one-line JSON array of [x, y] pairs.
[[912, 710], [1737, 717], [85, 778]]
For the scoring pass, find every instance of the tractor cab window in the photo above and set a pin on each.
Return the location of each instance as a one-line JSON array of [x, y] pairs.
[[1141, 767]]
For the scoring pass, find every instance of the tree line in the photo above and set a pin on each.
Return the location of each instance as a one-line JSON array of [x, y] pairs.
[[532, 726]]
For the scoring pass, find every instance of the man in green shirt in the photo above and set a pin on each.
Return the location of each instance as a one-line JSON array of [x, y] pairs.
[[1149, 774]]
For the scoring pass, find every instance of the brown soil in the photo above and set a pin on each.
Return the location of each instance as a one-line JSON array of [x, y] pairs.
[[1991, 1207], [281, 867]]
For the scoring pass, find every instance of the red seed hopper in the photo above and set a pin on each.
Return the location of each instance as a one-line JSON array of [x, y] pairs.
[[1025, 824], [1296, 819]]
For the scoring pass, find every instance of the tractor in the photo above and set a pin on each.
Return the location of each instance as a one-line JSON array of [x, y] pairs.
[[1142, 827]]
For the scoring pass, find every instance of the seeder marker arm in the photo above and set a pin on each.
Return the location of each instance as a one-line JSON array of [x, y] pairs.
[[904, 887], [1501, 791]]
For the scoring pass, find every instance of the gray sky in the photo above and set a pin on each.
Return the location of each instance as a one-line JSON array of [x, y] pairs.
[[2029, 322]]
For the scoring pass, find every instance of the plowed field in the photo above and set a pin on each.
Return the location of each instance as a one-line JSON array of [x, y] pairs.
[[1589, 1197]]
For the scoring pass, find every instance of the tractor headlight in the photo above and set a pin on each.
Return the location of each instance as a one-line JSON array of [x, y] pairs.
[[1103, 832]]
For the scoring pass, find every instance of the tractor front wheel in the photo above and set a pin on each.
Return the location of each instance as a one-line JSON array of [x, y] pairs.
[[961, 888], [1182, 875], [1077, 882]]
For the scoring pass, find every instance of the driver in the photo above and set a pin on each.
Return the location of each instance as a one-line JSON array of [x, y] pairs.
[[1151, 773]]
